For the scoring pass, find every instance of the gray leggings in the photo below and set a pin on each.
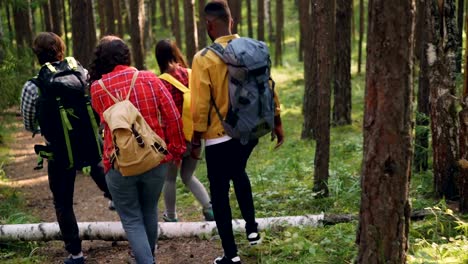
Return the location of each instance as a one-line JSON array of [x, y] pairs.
[[187, 169]]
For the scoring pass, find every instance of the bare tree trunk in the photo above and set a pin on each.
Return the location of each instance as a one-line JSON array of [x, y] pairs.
[[269, 20], [110, 19], [441, 49], [176, 23], [148, 36], [279, 33], [261, 20], [309, 106], [84, 41], [361, 33], [164, 16], [303, 14], [236, 12], [249, 19], [460, 20], [65, 24], [137, 18], [463, 185], [8, 15], [56, 8], [101, 5], [47, 17], [324, 12], [23, 25], [201, 27], [421, 148], [190, 30], [118, 18], [342, 87], [385, 208]]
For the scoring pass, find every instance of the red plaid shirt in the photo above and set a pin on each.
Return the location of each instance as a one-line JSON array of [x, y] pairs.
[[152, 100], [181, 75]]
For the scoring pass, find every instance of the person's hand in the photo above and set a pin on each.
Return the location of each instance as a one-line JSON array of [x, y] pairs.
[[278, 132], [196, 150]]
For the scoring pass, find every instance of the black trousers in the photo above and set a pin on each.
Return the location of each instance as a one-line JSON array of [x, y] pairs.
[[225, 162], [62, 185]]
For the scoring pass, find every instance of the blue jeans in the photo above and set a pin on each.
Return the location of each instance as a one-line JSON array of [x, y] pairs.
[[136, 201]]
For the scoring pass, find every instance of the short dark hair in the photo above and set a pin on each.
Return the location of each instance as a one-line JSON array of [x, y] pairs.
[[167, 52], [218, 9], [48, 47], [110, 52]]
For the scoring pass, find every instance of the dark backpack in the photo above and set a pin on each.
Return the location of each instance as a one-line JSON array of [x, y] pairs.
[[251, 104], [65, 116]]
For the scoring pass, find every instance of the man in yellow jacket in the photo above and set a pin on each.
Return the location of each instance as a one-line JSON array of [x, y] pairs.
[[226, 157]]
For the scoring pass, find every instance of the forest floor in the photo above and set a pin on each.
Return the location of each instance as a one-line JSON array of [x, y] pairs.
[[89, 205]]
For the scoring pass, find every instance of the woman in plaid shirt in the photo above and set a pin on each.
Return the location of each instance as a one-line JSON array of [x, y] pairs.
[[170, 61], [136, 197]]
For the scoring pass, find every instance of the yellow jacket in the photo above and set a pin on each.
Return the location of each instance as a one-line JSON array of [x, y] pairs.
[[210, 76]]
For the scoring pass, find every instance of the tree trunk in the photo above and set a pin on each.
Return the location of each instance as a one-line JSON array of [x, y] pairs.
[[463, 183], [249, 19], [176, 23], [269, 20], [361, 33], [137, 18], [303, 16], [201, 27], [148, 34], [153, 6], [2, 40], [126, 12], [342, 87], [101, 5], [65, 24], [118, 18], [84, 41], [309, 105], [261, 20], [421, 146], [110, 18], [385, 208], [279, 33], [324, 13], [56, 9], [190, 30], [460, 20], [8, 17], [441, 49], [162, 5], [113, 231], [236, 13], [23, 25], [47, 17]]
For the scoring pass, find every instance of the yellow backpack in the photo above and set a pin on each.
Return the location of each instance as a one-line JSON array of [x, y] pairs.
[[187, 120], [137, 148]]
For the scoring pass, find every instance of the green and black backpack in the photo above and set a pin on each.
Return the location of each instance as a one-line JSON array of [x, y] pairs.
[[65, 116]]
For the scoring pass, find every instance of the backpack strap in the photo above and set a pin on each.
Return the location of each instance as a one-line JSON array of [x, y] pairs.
[[217, 49], [170, 79], [101, 83], [72, 63]]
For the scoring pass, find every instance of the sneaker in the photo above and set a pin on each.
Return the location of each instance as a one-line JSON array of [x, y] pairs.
[[169, 219], [71, 260], [208, 214], [254, 238], [111, 205], [226, 260]]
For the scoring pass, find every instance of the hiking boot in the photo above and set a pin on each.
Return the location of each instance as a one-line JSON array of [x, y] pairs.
[[254, 238], [169, 219], [208, 214], [111, 205], [71, 260], [226, 260]]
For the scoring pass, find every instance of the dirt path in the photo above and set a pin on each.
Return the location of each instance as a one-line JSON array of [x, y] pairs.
[[89, 205]]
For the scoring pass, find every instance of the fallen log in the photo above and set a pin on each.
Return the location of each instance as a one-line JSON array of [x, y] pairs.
[[113, 231]]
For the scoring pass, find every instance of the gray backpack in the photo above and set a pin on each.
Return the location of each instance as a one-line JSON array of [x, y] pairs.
[[251, 104]]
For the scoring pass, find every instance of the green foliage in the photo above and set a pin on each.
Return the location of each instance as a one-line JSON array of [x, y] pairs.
[[14, 72]]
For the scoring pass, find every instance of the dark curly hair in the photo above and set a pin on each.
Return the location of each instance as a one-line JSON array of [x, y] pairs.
[[166, 53], [48, 47], [110, 52]]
